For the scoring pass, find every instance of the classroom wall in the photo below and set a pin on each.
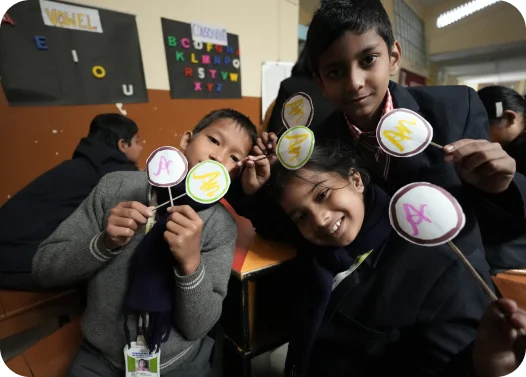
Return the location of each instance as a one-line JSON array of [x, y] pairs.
[[498, 24], [36, 139]]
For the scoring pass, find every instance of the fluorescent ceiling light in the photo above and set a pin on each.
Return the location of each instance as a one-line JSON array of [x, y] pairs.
[[463, 11]]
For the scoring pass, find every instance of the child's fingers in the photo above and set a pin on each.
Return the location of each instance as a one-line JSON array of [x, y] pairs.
[[257, 151], [505, 305], [261, 145]]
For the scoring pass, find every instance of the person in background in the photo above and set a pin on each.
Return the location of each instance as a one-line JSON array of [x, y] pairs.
[[507, 120], [506, 245], [32, 214], [301, 80]]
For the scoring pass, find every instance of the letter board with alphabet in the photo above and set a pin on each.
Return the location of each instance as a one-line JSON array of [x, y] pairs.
[[54, 53], [198, 69]]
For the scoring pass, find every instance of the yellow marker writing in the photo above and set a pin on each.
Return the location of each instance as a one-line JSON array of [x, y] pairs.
[[209, 185], [295, 144], [401, 133], [296, 108]]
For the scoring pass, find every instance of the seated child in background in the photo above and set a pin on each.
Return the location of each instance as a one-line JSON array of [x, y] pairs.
[[506, 245], [111, 145], [507, 121], [196, 243], [406, 310]]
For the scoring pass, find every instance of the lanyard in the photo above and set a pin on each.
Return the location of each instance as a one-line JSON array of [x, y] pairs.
[[342, 275]]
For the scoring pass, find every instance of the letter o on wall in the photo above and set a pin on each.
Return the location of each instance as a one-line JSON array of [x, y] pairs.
[[98, 71]]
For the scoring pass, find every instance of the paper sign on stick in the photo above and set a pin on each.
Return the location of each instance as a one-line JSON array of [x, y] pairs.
[[426, 214], [295, 147], [403, 133], [166, 167], [207, 182], [297, 110]]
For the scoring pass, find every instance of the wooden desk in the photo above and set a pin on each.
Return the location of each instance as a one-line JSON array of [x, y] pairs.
[[255, 311], [513, 286]]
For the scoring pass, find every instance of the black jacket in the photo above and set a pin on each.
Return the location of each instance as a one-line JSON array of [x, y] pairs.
[[323, 107], [408, 310], [455, 112], [31, 215], [506, 245]]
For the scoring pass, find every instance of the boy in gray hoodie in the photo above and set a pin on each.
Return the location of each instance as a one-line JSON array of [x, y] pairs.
[[96, 244]]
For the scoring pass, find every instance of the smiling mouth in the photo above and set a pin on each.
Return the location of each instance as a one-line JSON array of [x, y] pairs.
[[333, 230], [355, 101]]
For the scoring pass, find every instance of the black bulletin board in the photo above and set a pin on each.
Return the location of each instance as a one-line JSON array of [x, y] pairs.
[[31, 76], [200, 70]]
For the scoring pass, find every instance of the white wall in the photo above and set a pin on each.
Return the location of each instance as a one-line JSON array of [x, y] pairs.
[[267, 29]]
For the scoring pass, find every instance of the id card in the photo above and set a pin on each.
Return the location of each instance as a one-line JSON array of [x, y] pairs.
[[140, 362]]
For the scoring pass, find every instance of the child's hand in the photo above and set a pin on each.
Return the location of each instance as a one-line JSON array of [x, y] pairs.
[[257, 170], [499, 348], [123, 221], [183, 234], [482, 164]]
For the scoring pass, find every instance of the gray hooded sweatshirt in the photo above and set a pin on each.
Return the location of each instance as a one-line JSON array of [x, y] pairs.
[[75, 253]]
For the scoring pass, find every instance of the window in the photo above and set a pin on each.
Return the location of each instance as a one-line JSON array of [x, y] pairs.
[[410, 32]]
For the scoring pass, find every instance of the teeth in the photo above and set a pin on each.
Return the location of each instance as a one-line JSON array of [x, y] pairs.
[[335, 227]]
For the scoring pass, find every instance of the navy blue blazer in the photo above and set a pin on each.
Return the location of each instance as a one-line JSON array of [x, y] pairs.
[[408, 310]]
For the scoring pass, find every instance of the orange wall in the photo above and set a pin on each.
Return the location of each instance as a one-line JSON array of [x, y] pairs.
[[29, 146]]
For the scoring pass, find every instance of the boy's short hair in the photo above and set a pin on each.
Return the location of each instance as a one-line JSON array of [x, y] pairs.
[[110, 128], [336, 17], [241, 120]]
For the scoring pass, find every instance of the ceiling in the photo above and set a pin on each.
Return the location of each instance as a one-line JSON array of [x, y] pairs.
[[429, 2]]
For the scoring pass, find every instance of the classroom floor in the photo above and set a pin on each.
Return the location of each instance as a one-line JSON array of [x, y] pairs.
[[270, 364]]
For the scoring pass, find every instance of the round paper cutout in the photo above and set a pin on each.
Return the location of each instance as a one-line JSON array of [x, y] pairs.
[[426, 214], [403, 133], [207, 182], [166, 167], [295, 147], [297, 110]]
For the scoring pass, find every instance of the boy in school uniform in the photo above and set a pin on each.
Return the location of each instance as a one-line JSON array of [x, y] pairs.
[[353, 53], [104, 243], [112, 145]]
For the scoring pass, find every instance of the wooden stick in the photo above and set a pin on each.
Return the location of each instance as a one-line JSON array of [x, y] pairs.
[[258, 158], [168, 202], [474, 272], [171, 198], [436, 145]]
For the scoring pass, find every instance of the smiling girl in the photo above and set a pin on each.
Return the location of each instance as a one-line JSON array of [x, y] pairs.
[[370, 302]]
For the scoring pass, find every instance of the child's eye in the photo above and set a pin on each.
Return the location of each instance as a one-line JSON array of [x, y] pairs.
[[335, 73], [322, 195], [234, 158], [213, 140], [369, 60], [298, 218]]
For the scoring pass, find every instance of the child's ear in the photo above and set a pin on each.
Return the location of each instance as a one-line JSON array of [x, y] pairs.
[[356, 181], [510, 117], [396, 58], [185, 140], [123, 145]]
